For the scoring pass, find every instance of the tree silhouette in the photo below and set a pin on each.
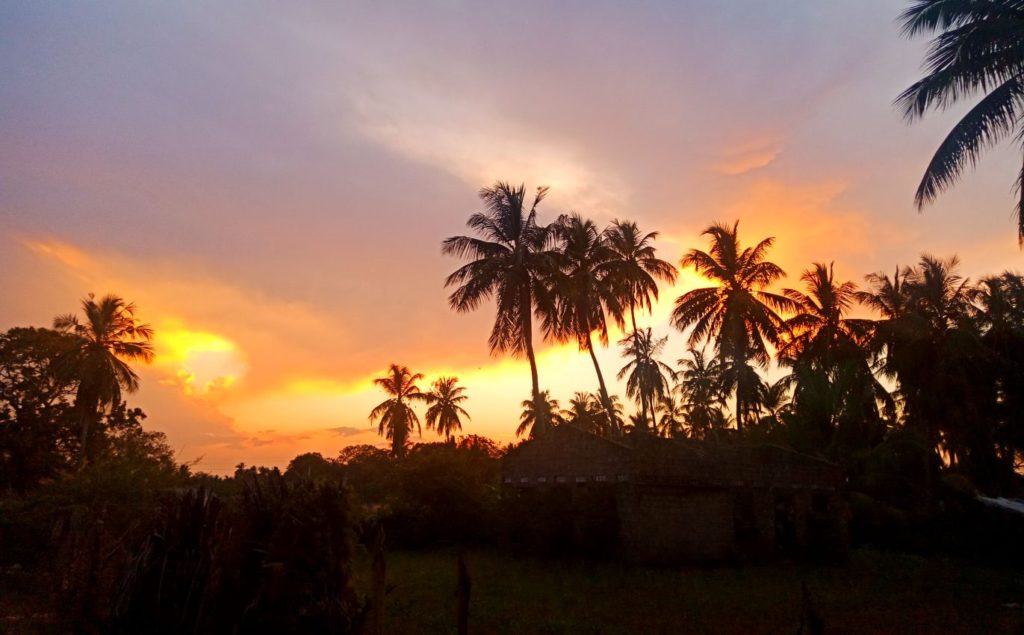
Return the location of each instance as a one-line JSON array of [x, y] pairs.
[[737, 313], [636, 270], [583, 290], [836, 392], [509, 262], [647, 377], [444, 413], [703, 386], [396, 415], [538, 416], [108, 338], [977, 50]]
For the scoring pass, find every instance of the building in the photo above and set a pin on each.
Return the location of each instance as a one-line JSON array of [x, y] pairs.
[[690, 501]]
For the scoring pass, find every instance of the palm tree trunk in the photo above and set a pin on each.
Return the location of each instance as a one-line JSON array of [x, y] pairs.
[[605, 401], [632, 317], [87, 406], [528, 341]]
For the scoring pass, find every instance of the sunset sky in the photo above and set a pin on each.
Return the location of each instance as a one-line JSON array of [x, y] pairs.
[[270, 184]]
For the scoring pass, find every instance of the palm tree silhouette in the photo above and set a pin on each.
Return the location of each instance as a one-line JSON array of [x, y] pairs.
[[738, 313], [444, 412], [583, 290], [636, 268], [671, 413], [107, 339], [830, 357], [647, 377], [977, 50], [509, 262], [703, 386], [396, 415], [538, 415]]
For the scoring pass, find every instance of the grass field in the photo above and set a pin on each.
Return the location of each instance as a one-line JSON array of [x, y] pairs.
[[873, 593]]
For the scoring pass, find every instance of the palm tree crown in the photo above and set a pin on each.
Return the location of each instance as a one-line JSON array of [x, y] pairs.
[[636, 267], [445, 411], [538, 415], [396, 416], [977, 50]]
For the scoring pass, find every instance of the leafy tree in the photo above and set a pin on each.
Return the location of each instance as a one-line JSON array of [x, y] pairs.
[[647, 377], [444, 412], [737, 313], [105, 342], [977, 49], [583, 290], [396, 416], [535, 421], [509, 262], [37, 440]]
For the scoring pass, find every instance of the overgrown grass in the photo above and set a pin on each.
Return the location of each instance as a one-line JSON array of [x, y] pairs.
[[874, 593]]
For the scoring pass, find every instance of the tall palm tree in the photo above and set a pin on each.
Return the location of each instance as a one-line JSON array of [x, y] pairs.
[[583, 290], [738, 313], [445, 411], [647, 377], [107, 339], [396, 416], [636, 266], [509, 261], [977, 49], [538, 416], [836, 392]]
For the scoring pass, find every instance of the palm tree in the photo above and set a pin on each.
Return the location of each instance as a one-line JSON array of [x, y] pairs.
[[538, 416], [396, 415], [636, 266], [107, 339], [977, 50], [703, 386], [586, 411], [836, 392], [737, 313], [820, 331], [509, 262], [671, 412], [647, 377], [444, 412], [583, 290]]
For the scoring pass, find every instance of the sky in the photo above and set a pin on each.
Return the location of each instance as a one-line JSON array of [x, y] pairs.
[[270, 182]]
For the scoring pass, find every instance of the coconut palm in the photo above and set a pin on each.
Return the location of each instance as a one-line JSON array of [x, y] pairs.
[[737, 313], [395, 415], [647, 377], [586, 411], [836, 394], [538, 416], [703, 387], [107, 339], [821, 331], [671, 413], [636, 267], [445, 411], [583, 290], [977, 49], [508, 261]]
